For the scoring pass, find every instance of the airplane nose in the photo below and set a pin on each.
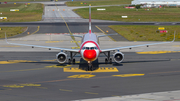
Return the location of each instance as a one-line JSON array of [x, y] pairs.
[[90, 55]]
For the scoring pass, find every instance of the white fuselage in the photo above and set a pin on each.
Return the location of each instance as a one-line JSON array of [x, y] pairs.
[[89, 48]]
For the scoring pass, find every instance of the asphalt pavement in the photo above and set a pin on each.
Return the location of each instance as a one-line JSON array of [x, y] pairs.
[[38, 76]]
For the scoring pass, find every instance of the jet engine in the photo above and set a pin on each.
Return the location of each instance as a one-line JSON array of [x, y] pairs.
[[61, 57], [118, 57]]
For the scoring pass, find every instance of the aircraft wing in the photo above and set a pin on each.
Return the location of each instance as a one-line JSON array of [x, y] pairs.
[[126, 47], [48, 47]]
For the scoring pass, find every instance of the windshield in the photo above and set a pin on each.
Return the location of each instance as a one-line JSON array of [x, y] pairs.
[[89, 48]]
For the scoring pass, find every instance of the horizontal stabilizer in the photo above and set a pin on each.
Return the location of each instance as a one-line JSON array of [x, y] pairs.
[[107, 35], [74, 35]]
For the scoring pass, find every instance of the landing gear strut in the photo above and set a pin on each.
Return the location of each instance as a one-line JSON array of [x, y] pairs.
[[90, 66], [108, 59], [71, 60]]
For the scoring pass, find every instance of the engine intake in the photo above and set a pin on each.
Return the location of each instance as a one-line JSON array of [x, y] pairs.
[[118, 57], [61, 57]]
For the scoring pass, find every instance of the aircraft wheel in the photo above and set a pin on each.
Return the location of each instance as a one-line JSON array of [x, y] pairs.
[[110, 61], [69, 61], [106, 61], [74, 61], [90, 67]]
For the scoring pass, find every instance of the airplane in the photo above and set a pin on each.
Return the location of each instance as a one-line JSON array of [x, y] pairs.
[[90, 49]]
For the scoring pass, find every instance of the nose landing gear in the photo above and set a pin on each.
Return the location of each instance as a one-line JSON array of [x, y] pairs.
[[90, 66]]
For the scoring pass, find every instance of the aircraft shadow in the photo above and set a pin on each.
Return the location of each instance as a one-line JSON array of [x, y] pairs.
[[83, 65]]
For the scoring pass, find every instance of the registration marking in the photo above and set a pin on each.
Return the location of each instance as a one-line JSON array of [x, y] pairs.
[[100, 69]]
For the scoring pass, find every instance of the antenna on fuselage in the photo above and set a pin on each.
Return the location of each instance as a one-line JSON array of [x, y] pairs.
[[89, 18]]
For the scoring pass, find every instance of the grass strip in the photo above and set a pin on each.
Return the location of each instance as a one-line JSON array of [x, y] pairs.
[[32, 12], [11, 31], [115, 13], [98, 2], [146, 32]]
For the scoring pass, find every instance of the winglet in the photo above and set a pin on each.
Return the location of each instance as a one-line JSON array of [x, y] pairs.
[[6, 38], [174, 36], [90, 18]]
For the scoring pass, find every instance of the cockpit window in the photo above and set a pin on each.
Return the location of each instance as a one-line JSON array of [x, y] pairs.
[[87, 48], [91, 48]]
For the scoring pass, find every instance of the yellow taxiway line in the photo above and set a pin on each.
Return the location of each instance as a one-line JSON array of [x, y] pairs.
[[105, 33], [156, 52]]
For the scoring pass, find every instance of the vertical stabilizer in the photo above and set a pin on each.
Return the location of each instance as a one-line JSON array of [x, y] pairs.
[[90, 18]]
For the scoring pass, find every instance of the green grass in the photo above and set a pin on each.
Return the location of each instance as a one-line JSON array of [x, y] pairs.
[[98, 2], [146, 33], [32, 12], [21, 0], [116, 12], [11, 31]]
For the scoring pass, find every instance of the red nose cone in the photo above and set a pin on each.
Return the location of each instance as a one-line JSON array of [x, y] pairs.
[[90, 55]]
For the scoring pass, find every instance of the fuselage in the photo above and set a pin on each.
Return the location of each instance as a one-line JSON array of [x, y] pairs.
[[89, 48]]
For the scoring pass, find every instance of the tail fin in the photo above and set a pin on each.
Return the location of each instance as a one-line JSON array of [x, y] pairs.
[[90, 18]]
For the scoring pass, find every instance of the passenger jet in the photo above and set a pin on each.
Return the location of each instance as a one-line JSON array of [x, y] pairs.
[[90, 49]]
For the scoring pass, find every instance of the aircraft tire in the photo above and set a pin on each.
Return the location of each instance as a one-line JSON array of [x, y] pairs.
[[74, 61], [106, 61], [110, 61]]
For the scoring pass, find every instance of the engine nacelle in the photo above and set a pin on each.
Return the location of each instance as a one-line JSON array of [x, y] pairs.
[[61, 57], [118, 57]]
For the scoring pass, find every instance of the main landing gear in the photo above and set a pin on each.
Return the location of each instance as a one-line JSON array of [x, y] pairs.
[[108, 59], [71, 59]]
